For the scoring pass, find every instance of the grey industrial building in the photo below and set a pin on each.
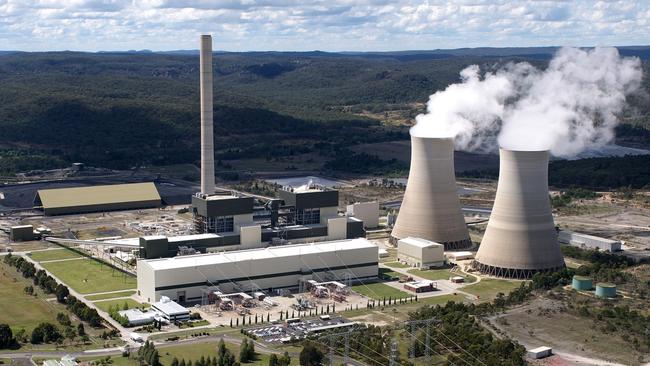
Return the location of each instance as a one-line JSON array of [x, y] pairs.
[[231, 222], [185, 278]]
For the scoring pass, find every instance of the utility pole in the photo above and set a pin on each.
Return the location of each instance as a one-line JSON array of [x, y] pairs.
[[332, 338], [415, 325]]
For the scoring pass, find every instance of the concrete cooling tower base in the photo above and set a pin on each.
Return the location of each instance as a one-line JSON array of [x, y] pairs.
[[514, 273], [520, 238]]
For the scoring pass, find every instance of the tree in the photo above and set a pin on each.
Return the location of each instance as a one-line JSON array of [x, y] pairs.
[[244, 355], [61, 293], [6, 336], [310, 355], [273, 360], [80, 330], [175, 362], [285, 360], [45, 332]]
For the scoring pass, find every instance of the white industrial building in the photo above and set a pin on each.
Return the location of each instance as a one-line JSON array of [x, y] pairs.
[[184, 278], [368, 212], [420, 253], [588, 241]]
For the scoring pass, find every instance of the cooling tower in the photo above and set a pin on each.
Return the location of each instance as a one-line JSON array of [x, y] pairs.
[[431, 208], [207, 137], [520, 238]]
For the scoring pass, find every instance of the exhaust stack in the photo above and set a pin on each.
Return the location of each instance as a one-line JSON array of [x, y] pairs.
[[520, 239], [207, 134], [431, 209]]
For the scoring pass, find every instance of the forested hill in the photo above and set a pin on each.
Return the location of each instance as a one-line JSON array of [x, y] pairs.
[[119, 110]]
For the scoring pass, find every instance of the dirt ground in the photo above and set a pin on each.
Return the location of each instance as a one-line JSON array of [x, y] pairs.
[[545, 322]]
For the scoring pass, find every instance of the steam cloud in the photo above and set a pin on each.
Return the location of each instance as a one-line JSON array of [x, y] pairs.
[[569, 106]]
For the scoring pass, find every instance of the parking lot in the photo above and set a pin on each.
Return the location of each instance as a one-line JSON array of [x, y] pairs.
[[296, 329]]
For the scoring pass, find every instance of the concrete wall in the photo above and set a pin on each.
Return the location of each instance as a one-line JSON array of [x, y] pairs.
[[422, 257], [337, 228], [250, 236], [368, 212], [117, 206]]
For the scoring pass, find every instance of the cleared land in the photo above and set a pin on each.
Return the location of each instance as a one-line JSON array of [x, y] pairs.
[[378, 291], [52, 255], [488, 288], [130, 303], [547, 322], [111, 295], [89, 276], [440, 274]]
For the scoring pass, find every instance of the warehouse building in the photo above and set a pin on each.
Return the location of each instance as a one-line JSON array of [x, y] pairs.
[[588, 241], [64, 201], [185, 278], [420, 253]]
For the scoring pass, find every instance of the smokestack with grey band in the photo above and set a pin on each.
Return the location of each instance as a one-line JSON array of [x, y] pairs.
[[207, 136]]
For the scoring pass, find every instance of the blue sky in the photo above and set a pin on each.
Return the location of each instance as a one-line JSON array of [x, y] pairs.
[[329, 25]]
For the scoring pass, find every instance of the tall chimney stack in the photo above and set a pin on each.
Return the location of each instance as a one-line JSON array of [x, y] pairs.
[[207, 136]]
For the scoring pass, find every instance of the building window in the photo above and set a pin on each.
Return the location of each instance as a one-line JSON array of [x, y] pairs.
[[308, 216], [224, 224]]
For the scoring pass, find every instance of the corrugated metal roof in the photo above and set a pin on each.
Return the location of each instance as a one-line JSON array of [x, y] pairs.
[[98, 195]]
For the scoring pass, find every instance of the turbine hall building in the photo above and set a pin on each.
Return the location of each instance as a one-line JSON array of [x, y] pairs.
[[186, 278]]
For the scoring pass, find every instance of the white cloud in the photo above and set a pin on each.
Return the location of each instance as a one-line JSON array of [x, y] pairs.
[[318, 24]]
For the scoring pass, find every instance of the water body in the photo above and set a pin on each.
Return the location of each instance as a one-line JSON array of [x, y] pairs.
[[463, 191], [301, 181], [610, 151]]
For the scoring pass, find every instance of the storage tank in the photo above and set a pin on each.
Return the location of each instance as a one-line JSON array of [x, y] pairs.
[[582, 283], [431, 209], [520, 239], [605, 290]]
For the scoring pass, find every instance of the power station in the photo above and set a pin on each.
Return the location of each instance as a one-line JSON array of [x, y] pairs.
[[431, 208], [520, 239]]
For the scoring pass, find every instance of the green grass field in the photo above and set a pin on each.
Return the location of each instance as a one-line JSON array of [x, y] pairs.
[[19, 309], [104, 305], [396, 265], [378, 291], [111, 295], [386, 273], [488, 288], [54, 254], [89, 276], [190, 352], [440, 274]]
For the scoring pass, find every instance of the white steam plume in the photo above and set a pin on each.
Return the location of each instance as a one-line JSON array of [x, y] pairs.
[[569, 106]]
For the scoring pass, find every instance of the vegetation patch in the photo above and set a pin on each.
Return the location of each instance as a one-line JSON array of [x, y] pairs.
[[379, 291], [396, 265], [488, 288], [440, 274], [89, 276], [110, 295], [120, 304], [54, 254]]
